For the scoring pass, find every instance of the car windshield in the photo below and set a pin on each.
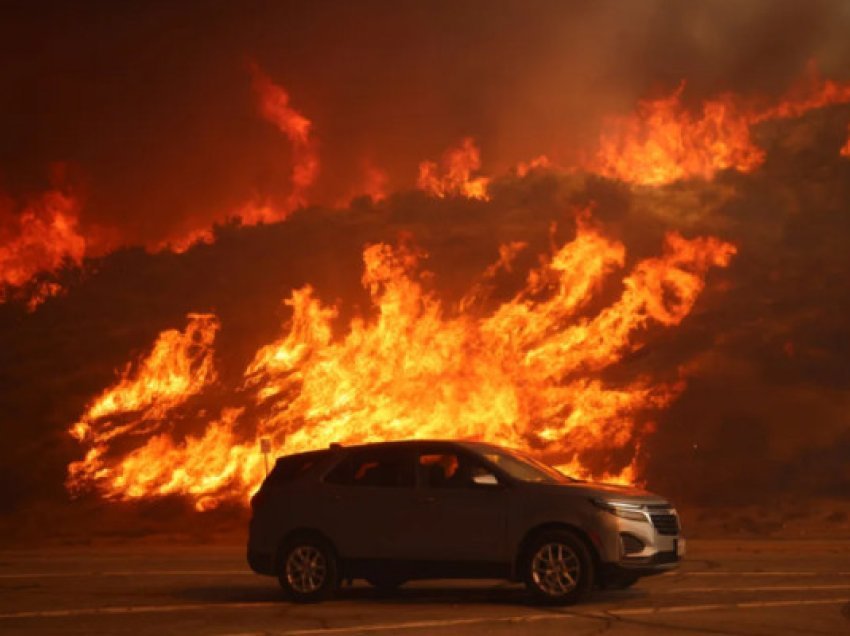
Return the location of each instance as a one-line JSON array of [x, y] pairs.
[[524, 468]]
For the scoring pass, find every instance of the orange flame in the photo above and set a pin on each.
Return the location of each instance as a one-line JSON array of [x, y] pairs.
[[541, 162], [845, 150], [182, 242], [457, 180], [44, 290], [665, 142], [811, 93], [179, 367], [274, 106], [43, 238], [525, 373], [374, 182]]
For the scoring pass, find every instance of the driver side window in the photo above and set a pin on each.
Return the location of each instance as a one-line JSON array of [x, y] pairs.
[[453, 470]]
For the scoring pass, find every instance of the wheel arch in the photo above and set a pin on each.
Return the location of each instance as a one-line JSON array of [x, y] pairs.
[[300, 533], [532, 533]]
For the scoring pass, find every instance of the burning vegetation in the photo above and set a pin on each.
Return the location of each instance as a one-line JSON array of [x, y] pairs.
[[40, 239], [456, 179], [664, 141], [525, 374], [582, 295]]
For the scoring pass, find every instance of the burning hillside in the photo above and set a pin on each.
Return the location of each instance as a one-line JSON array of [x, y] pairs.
[[524, 374], [664, 141], [619, 274]]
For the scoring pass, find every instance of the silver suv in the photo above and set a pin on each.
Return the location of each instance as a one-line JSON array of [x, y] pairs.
[[397, 511]]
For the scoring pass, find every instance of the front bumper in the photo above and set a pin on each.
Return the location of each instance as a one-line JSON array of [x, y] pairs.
[[648, 546]]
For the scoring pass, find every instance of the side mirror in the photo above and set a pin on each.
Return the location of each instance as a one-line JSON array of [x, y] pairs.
[[486, 479]]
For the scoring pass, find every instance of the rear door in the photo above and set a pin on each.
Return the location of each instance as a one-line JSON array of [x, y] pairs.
[[461, 512], [368, 502]]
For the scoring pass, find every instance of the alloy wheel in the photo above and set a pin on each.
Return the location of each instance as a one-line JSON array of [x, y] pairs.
[[306, 569], [555, 569]]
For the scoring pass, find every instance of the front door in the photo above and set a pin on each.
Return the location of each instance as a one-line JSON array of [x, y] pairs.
[[461, 509]]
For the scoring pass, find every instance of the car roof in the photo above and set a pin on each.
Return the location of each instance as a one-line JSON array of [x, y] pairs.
[[469, 444], [424, 442]]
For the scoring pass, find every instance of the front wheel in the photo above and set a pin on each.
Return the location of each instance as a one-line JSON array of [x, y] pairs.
[[308, 570], [558, 568]]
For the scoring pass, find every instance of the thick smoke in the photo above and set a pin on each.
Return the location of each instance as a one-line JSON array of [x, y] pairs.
[[152, 106]]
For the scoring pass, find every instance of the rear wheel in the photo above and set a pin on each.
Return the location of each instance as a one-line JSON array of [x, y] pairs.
[[308, 570], [558, 568]]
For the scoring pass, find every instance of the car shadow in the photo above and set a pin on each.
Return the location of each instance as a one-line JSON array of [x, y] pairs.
[[417, 593]]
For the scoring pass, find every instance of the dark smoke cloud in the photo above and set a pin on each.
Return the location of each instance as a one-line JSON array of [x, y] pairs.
[[150, 106]]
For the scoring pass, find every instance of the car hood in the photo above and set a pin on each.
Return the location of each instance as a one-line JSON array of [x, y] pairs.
[[610, 492]]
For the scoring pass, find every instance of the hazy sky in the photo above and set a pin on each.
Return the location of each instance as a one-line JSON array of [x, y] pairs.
[[148, 105]]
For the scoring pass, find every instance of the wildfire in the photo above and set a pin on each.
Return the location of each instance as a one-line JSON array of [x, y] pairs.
[[810, 93], [42, 291], [663, 141], [42, 238], [528, 372], [525, 373], [179, 367], [374, 182], [274, 105], [537, 163], [456, 180]]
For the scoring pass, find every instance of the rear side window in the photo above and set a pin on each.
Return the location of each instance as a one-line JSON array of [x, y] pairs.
[[288, 469], [381, 468]]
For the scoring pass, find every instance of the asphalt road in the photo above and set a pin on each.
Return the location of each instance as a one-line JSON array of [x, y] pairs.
[[724, 587]]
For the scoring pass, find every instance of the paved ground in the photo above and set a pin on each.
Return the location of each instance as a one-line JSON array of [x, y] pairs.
[[744, 587]]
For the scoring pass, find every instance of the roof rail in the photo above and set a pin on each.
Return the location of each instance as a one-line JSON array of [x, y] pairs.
[[335, 445]]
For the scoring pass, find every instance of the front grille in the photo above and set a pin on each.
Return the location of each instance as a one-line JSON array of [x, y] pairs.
[[665, 524]]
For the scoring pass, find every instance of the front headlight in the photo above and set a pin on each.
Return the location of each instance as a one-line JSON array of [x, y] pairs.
[[623, 509]]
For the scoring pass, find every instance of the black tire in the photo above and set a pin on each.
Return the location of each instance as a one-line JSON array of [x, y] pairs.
[[557, 568], [386, 584], [308, 569]]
